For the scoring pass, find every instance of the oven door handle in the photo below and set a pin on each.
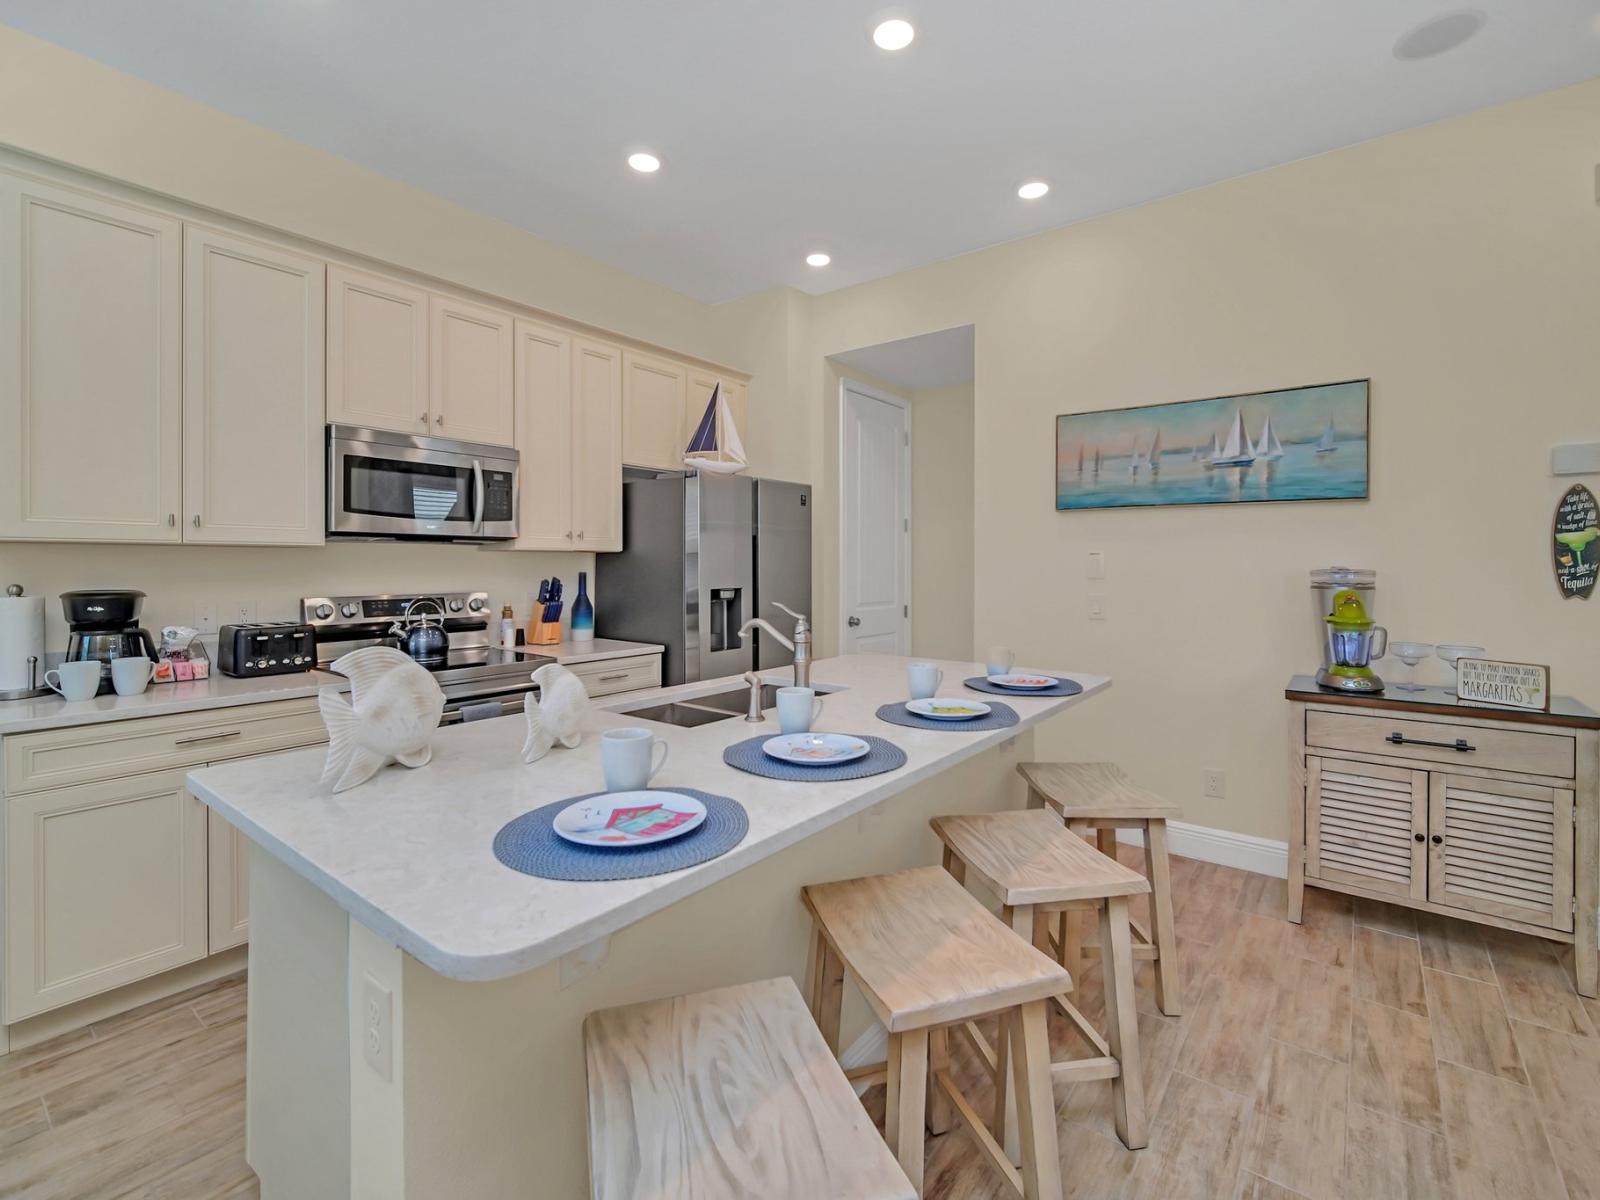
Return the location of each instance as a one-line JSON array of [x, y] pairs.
[[478, 496]]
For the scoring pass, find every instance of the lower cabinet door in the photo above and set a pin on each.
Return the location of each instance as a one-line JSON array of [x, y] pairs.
[[228, 881], [1365, 826], [1501, 848], [105, 884]]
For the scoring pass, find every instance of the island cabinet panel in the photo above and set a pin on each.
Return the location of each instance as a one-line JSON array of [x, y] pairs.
[[1502, 848], [377, 352], [1364, 824], [227, 884], [470, 367], [654, 393], [91, 339], [253, 407], [105, 884]]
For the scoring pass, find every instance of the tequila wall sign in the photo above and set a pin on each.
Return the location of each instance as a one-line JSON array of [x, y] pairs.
[[1577, 542]]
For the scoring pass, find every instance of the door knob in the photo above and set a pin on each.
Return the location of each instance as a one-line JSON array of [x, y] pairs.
[[854, 621]]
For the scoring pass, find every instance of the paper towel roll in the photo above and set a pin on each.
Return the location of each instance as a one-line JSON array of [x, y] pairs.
[[21, 636]]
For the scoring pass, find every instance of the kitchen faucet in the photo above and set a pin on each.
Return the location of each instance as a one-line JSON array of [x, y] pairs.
[[801, 646]]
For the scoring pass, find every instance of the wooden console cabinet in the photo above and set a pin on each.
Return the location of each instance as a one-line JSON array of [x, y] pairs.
[[1486, 814]]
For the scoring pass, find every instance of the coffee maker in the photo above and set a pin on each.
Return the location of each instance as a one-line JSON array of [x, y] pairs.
[[1351, 639], [103, 625]]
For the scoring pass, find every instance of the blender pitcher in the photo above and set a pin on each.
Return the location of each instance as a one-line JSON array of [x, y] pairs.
[[1354, 642]]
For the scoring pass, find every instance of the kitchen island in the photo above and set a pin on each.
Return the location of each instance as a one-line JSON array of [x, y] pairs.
[[415, 1007]]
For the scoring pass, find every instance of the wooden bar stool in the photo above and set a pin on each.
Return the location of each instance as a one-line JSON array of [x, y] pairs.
[[1099, 796], [1036, 867], [926, 955], [725, 1095]]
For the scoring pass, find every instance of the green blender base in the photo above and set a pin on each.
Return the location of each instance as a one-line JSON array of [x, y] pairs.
[[1349, 679]]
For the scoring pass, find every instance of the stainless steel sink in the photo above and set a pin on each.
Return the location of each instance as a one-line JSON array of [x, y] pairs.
[[736, 701], [694, 711], [684, 716]]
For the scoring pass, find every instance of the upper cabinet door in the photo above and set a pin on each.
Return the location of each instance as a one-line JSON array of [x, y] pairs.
[[654, 393], [253, 392], [597, 445], [544, 435], [91, 345], [377, 352], [470, 362]]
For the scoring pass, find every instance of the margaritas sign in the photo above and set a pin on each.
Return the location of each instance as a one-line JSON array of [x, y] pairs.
[[1514, 685]]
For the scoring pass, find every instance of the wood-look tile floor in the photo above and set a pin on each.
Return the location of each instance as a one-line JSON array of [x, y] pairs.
[[1366, 1054]]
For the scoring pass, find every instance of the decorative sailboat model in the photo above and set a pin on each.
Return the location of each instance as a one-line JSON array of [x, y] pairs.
[[715, 446], [1236, 451], [1268, 447]]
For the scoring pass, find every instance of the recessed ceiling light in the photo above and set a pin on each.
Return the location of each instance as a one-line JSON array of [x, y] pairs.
[[818, 259], [1033, 189], [893, 35], [1439, 35], [644, 163]]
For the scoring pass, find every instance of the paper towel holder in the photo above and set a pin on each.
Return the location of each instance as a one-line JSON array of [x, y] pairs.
[[35, 667]]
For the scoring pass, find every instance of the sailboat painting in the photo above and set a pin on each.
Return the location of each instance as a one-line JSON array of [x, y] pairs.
[[1304, 443], [715, 446]]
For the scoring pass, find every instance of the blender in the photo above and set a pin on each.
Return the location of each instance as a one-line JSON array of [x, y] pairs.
[[1352, 641], [1326, 584]]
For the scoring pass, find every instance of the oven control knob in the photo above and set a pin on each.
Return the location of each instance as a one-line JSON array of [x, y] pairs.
[[455, 606], [322, 611], [347, 610], [477, 604]]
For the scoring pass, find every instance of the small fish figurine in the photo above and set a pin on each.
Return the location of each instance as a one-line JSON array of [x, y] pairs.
[[556, 715], [391, 716]]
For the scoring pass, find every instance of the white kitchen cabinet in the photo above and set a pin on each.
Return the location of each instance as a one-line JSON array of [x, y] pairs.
[[702, 381], [227, 884], [252, 392], [105, 884], [377, 352], [654, 393], [470, 368], [91, 344], [596, 445]]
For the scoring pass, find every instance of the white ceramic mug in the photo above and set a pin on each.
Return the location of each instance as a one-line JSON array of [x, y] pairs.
[[75, 680], [798, 708], [627, 756], [131, 675], [999, 661], [923, 679]]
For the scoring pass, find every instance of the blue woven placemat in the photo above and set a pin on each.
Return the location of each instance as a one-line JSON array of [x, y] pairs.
[[530, 844], [1063, 687], [748, 756], [999, 716]]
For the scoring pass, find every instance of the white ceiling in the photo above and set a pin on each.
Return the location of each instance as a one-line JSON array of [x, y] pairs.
[[928, 360], [782, 129]]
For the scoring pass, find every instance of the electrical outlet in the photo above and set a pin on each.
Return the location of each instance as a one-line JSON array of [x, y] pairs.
[[241, 612], [1097, 606], [1097, 565], [1216, 783], [205, 616], [377, 1033]]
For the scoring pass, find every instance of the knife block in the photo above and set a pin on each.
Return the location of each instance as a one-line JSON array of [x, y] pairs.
[[544, 633]]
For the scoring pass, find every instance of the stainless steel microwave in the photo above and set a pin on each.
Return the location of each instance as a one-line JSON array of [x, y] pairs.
[[399, 485]]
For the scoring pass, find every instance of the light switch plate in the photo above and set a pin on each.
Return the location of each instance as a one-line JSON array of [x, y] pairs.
[[1575, 458], [205, 616], [1097, 565]]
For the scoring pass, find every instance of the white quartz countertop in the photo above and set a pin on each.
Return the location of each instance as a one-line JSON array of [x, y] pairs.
[[410, 853], [223, 691]]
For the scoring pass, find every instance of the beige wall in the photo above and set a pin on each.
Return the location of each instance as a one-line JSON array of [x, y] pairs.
[[1455, 265], [942, 533]]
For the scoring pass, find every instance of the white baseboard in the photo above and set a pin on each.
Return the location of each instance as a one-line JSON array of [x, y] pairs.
[[1222, 846]]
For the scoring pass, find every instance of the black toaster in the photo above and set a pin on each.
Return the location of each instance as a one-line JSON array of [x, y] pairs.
[[270, 648]]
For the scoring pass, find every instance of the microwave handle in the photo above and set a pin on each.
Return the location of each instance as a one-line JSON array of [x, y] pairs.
[[479, 498]]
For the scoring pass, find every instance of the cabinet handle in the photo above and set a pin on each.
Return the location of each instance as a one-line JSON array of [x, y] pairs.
[[1421, 837], [439, 420], [613, 678], [197, 520], [1461, 744], [1438, 840], [569, 535], [208, 737], [423, 418], [172, 520], [580, 535]]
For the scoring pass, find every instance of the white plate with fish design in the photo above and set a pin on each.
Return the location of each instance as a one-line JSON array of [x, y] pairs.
[[816, 749], [619, 819], [946, 708], [1023, 683]]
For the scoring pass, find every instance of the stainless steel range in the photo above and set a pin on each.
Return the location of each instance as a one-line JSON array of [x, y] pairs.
[[471, 672]]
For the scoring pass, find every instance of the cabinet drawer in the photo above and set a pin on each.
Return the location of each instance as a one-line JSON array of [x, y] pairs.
[[1493, 749], [116, 749], [620, 674]]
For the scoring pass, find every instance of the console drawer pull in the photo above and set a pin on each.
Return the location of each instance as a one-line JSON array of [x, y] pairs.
[[208, 737], [1461, 744], [613, 678]]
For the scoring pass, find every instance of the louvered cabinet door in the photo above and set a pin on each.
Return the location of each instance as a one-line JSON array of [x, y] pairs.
[[1501, 848], [1365, 826]]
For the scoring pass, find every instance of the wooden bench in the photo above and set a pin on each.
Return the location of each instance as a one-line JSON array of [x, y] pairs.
[[727, 1095]]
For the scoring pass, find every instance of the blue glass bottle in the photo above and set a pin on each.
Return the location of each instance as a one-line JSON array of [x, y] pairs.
[[582, 611]]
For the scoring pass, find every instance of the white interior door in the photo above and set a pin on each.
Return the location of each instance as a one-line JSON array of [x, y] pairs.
[[874, 518]]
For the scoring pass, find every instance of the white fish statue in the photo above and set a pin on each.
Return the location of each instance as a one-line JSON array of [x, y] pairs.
[[391, 716], [558, 712]]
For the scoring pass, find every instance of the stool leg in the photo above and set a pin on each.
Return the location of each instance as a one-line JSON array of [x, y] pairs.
[[1005, 1126], [1105, 841], [1036, 1110], [957, 867], [1122, 1022], [941, 1114], [830, 996], [1169, 975], [904, 1107], [814, 972]]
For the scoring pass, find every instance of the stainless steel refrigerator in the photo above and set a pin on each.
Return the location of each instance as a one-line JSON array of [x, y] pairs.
[[701, 554]]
